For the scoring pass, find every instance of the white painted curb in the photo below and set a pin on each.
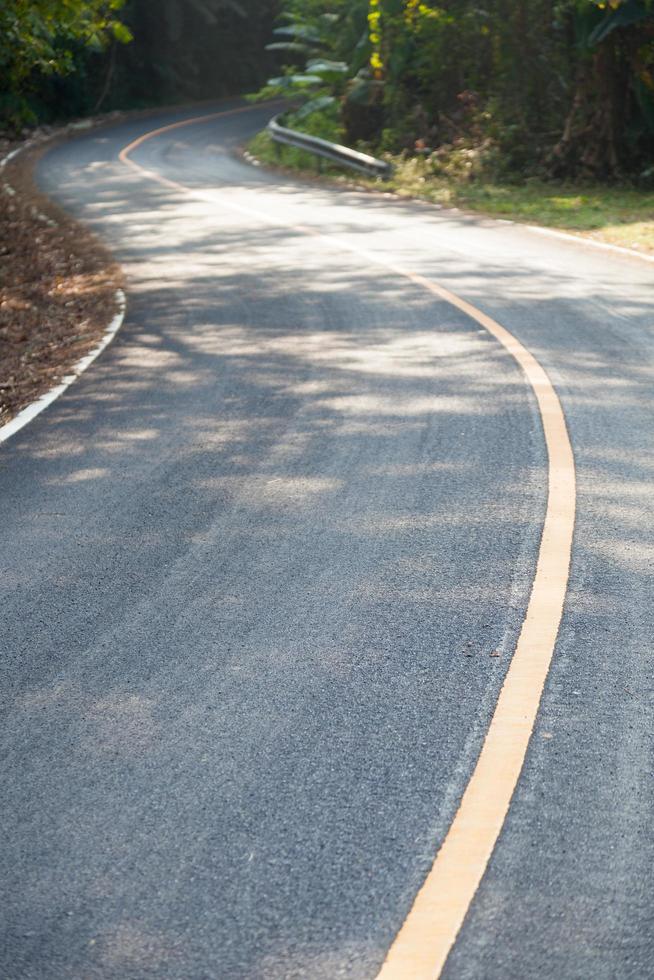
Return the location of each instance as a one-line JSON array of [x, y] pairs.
[[14, 153], [27, 414]]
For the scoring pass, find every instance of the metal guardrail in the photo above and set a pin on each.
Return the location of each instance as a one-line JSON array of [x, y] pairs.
[[333, 152]]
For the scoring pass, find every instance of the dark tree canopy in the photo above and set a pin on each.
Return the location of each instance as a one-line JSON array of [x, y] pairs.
[[547, 87], [40, 38], [66, 57]]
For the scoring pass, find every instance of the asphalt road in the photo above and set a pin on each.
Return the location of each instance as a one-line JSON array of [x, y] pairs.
[[254, 564]]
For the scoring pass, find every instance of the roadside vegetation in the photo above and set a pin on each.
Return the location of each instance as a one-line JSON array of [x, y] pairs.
[[617, 215], [63, 59], [532, 110]]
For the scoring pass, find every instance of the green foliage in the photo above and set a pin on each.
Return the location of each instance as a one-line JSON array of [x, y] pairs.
[[38, 35], [41, 37], [507, 90], [624, 14], [519, 87], [70, 60]]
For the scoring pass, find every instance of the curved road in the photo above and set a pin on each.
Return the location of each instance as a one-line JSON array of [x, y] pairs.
[[255, 564]]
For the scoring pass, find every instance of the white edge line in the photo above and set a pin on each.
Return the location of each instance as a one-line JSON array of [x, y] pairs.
[[27, 414], [539, 229], [568, 237]]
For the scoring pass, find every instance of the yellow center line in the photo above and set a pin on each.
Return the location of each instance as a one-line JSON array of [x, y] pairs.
[[423, 943], [425, 939], [123, 156]]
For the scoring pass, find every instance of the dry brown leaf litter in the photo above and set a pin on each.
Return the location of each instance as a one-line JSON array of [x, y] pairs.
[[57, 289]]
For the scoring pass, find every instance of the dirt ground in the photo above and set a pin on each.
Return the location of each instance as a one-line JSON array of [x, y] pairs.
[[57, 287]]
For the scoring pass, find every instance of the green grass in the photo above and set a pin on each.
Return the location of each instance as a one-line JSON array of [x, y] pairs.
[[617, 215]]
